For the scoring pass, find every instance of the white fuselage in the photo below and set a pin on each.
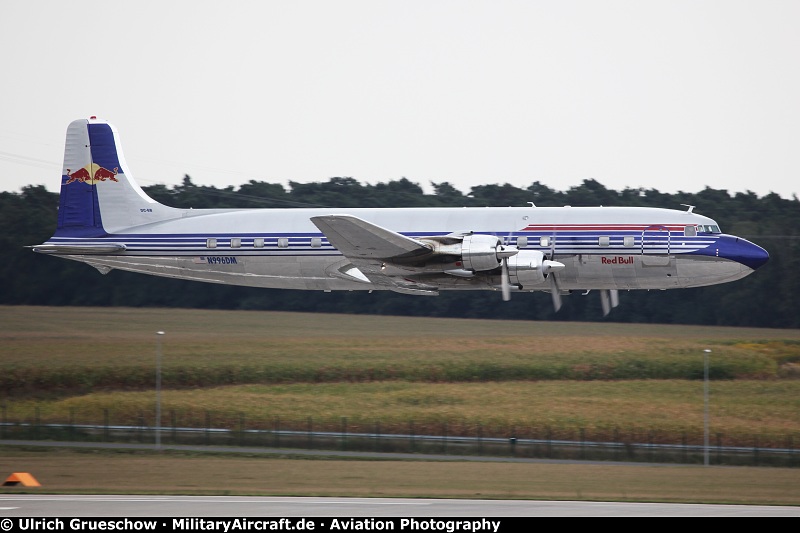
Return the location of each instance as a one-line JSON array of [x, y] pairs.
[[601, 248]]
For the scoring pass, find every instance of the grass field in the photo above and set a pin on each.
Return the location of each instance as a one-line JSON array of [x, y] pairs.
[[103, 472], [75, 362], [667, 410]]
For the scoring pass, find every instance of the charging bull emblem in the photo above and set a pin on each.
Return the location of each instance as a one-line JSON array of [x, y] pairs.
[[91, 174]]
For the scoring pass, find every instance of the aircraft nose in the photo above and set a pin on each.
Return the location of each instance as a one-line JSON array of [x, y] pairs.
[[749, 254], [761, 257]]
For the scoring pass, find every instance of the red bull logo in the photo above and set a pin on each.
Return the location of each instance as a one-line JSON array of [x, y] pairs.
[[92, 174], [617, 260]]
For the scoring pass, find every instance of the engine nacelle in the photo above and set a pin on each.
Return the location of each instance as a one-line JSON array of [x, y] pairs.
[[526, 268], [479, 252]]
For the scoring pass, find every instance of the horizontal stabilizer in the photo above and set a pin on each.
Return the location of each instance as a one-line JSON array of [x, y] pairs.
[[78, 249]]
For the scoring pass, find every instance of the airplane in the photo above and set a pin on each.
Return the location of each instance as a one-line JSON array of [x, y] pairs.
[[106, 220]]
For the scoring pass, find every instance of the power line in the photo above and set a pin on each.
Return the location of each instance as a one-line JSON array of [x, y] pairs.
[[25, 160], [211, 191]]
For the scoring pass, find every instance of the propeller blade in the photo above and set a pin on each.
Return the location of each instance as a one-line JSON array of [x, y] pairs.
[[551, 266], [555, 292], [505, 283], [614, 293]]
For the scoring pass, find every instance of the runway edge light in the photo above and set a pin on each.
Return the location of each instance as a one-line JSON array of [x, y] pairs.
[[23, 478]]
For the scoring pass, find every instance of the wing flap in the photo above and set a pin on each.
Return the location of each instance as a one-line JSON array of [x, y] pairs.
[[373, 271]]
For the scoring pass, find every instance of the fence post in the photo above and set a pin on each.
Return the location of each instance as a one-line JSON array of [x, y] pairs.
[[208, 427], [36, 423], [755, 451], [344, 433], [310, 434], [105, 424], [683, 447], [444, 443], [377, 435], [582, 433], [242, 434], [72, 423], [719, 448], [275, 432], [480, 438], [411, 433], [173, 421]]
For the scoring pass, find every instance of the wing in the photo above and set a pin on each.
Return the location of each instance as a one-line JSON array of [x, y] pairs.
[[355, 237], [370, 248]]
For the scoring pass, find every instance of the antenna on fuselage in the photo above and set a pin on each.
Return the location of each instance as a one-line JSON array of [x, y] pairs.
[[691, 207]]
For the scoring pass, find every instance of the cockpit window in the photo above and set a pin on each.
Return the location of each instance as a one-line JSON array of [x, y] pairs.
[[708, 228]]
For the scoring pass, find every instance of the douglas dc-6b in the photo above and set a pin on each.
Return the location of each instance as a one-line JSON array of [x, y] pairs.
[[106, 220]]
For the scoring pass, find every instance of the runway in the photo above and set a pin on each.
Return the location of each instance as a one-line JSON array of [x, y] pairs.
[[235, 506]]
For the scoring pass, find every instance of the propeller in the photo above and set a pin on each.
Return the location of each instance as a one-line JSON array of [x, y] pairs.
[[504, 251], [555, 290]]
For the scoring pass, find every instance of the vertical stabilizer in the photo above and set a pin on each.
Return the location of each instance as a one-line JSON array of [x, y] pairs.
[[98, 193]]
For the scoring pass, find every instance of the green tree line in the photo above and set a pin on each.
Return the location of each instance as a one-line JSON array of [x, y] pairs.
[[767, 298]]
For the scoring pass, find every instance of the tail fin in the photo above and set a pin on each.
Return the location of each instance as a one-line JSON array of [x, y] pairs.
[[98, 193]]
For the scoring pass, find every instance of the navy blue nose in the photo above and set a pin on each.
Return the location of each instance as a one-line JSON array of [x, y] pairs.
[[747, 253]]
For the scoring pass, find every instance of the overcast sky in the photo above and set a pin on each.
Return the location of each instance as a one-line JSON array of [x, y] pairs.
[[672, 95]]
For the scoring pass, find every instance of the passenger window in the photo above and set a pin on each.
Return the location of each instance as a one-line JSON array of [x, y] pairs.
[[522, 242], [258, 242], [211, 243], [236, 242], [316, 242], [544, 241], [604, 241], [283, 242], [627, 241]]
